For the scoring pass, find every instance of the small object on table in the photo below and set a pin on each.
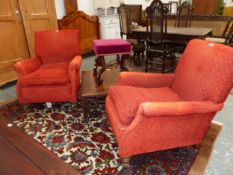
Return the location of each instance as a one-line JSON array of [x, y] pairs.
[[103, 47], [9, 125]]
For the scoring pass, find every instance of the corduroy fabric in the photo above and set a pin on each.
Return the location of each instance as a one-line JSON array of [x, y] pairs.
[[149, 80], [48, 74], [203, 79], [148, 134], [57, 46], [54, 74], [205, 72], [49, 93], [128, 98], [27, 66]]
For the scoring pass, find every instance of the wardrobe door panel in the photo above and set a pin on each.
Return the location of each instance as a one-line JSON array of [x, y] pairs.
[[13, 43], [37, 15]]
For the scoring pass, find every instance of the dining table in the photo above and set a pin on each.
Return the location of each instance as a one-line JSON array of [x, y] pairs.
[[182, 34]]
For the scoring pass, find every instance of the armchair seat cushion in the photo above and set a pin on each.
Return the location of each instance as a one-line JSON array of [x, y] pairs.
[[127, 99], [48, 74]]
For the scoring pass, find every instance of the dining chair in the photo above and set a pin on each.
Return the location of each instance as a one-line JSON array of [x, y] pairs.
[[158, 54], [131, 17], [171, 6], [184, 15], [226, 37]]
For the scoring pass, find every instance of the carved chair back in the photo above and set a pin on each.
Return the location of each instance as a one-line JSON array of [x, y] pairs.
[[184, 14], [170, 5], [124, 23], [156, 16], [135, 14]]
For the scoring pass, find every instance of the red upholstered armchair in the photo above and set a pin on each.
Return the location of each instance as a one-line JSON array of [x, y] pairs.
[[53, 75], [150, 112]]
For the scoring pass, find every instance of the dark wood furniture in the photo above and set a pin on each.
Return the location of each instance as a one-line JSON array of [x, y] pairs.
[[21, 154], [70, 6], [89, 88], [130, 17], [158, 54], [181, 33], [170, 5], [226, 37], [184, 14], [105, 47], [206, 7], [88, 26]]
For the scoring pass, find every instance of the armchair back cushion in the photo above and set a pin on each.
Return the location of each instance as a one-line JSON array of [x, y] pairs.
[[49, 51], [204, 72]]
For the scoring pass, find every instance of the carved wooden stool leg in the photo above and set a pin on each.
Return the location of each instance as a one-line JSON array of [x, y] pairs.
[[96, 66], [101, 63], [125, 162], [118, 59]]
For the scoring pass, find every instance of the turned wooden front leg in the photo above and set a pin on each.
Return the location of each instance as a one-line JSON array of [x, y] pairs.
[[122, 63]]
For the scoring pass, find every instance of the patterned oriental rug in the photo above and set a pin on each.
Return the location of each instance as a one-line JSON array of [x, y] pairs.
[[91, 147]]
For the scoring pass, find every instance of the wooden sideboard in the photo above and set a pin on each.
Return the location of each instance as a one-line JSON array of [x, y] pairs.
[[88, 26]]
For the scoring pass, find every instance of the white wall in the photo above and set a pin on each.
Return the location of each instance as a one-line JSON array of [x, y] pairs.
[[143, 2], [228, 3], [60, 9], [87, 6], [83, 5]]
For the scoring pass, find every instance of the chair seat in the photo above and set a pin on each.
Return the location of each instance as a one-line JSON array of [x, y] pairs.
[[48, 74], [111, 46], [127, 99]]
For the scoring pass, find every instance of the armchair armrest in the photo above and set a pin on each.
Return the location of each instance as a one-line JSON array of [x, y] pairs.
[[75, 63], [27, 66], [147, 80], [164, 125], [74, 73], [178, 108], [172, 109]]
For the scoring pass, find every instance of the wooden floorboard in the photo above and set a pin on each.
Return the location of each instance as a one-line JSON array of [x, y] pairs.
[[39, 157], [13, 162]]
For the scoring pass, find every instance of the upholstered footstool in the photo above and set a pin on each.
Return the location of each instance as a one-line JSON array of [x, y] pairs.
[[103, 47]]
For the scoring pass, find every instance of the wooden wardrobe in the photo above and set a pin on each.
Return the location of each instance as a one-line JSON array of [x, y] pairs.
[[206, 7], [19, 20]]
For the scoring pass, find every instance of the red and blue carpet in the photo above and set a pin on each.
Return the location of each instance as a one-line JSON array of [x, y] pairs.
[[90, 146]]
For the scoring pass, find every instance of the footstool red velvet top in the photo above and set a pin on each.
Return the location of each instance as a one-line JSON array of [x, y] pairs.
[[103, 47]]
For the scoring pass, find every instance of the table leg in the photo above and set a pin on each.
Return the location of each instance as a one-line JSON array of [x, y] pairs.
[[85, 106]]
